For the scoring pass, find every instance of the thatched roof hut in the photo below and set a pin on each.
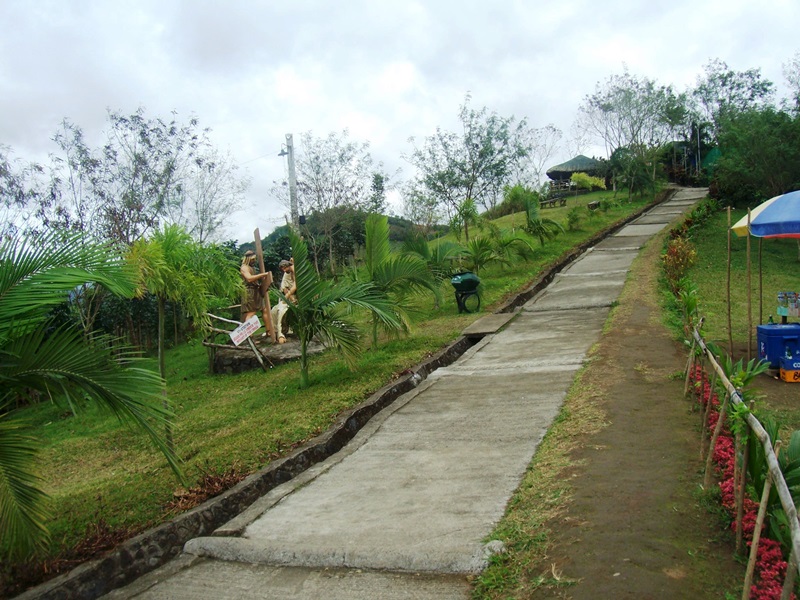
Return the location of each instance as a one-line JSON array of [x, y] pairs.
[[579, 164]]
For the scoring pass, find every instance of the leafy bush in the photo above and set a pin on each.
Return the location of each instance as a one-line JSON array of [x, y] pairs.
[[587, 182], [574, 215], [677, 260]]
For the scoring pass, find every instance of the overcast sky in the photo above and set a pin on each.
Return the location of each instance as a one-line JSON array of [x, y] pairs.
[[385, 70]]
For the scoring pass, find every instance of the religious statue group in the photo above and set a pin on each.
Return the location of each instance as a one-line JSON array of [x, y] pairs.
[[256, 295]]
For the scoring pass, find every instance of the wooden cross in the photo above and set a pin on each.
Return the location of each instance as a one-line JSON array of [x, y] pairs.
[[266, 314]]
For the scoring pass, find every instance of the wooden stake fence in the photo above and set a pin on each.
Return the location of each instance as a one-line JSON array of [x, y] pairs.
[[775, 474]]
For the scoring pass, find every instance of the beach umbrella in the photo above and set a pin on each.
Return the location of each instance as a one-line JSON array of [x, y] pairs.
[[778, 217]]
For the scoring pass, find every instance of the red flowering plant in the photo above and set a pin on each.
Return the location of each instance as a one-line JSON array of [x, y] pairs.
[[770, 569]]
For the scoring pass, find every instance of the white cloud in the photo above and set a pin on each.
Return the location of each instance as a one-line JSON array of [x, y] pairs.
[[253, 70]]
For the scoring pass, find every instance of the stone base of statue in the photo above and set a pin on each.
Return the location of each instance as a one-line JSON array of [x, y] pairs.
[[233, 359]]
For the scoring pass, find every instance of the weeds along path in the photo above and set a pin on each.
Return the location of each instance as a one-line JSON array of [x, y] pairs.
[[631, 524]]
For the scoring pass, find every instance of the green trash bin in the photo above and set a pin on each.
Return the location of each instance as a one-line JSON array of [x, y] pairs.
[[466, 286]]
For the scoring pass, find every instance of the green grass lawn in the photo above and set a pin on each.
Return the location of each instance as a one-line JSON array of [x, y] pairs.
[[779, 272], [96, 469]]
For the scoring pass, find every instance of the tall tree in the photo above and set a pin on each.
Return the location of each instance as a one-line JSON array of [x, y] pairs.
[[791, 71], [722, 92], [632, 113], [473, 165], [379, 188], [19, 187], [760, 155], [540, 145], [421, 207], [143, 171], [61, 365], [211, 192], [333, 173], [148, 171]]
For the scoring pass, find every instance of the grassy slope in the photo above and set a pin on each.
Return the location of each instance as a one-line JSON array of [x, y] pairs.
[[95, 469], [779, 271]]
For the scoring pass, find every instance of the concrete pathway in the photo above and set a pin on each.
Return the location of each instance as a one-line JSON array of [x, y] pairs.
[[404, 510]]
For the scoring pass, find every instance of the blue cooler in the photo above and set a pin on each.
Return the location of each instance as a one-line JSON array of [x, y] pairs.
[[778, 341]]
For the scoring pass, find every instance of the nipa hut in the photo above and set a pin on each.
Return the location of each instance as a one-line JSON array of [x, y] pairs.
[[579, 164]]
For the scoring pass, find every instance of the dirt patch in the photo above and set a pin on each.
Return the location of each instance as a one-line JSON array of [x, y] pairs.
[[633, 526]]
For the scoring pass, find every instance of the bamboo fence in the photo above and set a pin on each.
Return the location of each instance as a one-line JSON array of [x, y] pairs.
[[775, 474]]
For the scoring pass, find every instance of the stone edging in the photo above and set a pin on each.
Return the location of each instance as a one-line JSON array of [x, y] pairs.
[[155, 547]]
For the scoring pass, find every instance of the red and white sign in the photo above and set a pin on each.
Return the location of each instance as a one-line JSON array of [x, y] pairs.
[[245, 330]]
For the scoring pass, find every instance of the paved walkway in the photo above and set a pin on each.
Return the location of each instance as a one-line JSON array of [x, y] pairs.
[[404, 509]]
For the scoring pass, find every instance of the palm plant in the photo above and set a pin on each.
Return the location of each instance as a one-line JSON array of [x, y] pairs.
[[438, 256], [174, 267], [395, 276], [758, 471], [60, 364], [481, 251], [513, 247], [543, 229], [323, 310]]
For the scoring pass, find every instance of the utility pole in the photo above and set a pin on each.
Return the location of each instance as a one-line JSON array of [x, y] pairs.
[[292, 184]]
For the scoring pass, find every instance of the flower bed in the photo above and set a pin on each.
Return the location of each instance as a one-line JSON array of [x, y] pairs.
[[770, 569]]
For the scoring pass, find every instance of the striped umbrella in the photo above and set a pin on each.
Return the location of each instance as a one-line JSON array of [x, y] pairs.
[[778, 217]]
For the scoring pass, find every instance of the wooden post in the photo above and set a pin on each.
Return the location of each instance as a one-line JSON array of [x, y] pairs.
[[714, 436], [788, 582], [689, 369], [740, 480], [266, 314], [762, 511], [730, 329], [739, 488], [737, 448], [707, 412], [760, 282], [749, 295]]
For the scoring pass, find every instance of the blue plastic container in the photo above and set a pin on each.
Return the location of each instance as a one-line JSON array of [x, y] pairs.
[[778, 341]]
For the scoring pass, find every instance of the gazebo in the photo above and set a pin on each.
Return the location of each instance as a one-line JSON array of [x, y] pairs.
[[579, 164]]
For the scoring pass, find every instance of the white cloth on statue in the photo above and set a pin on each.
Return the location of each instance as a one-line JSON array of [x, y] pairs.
[[278, 312]]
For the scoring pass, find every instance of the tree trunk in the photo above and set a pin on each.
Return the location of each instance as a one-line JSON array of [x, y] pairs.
[[175, 324], [331, 259], [162, 370], [303, 364]]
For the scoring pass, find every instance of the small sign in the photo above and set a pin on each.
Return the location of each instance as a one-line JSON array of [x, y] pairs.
[[245, 330]]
